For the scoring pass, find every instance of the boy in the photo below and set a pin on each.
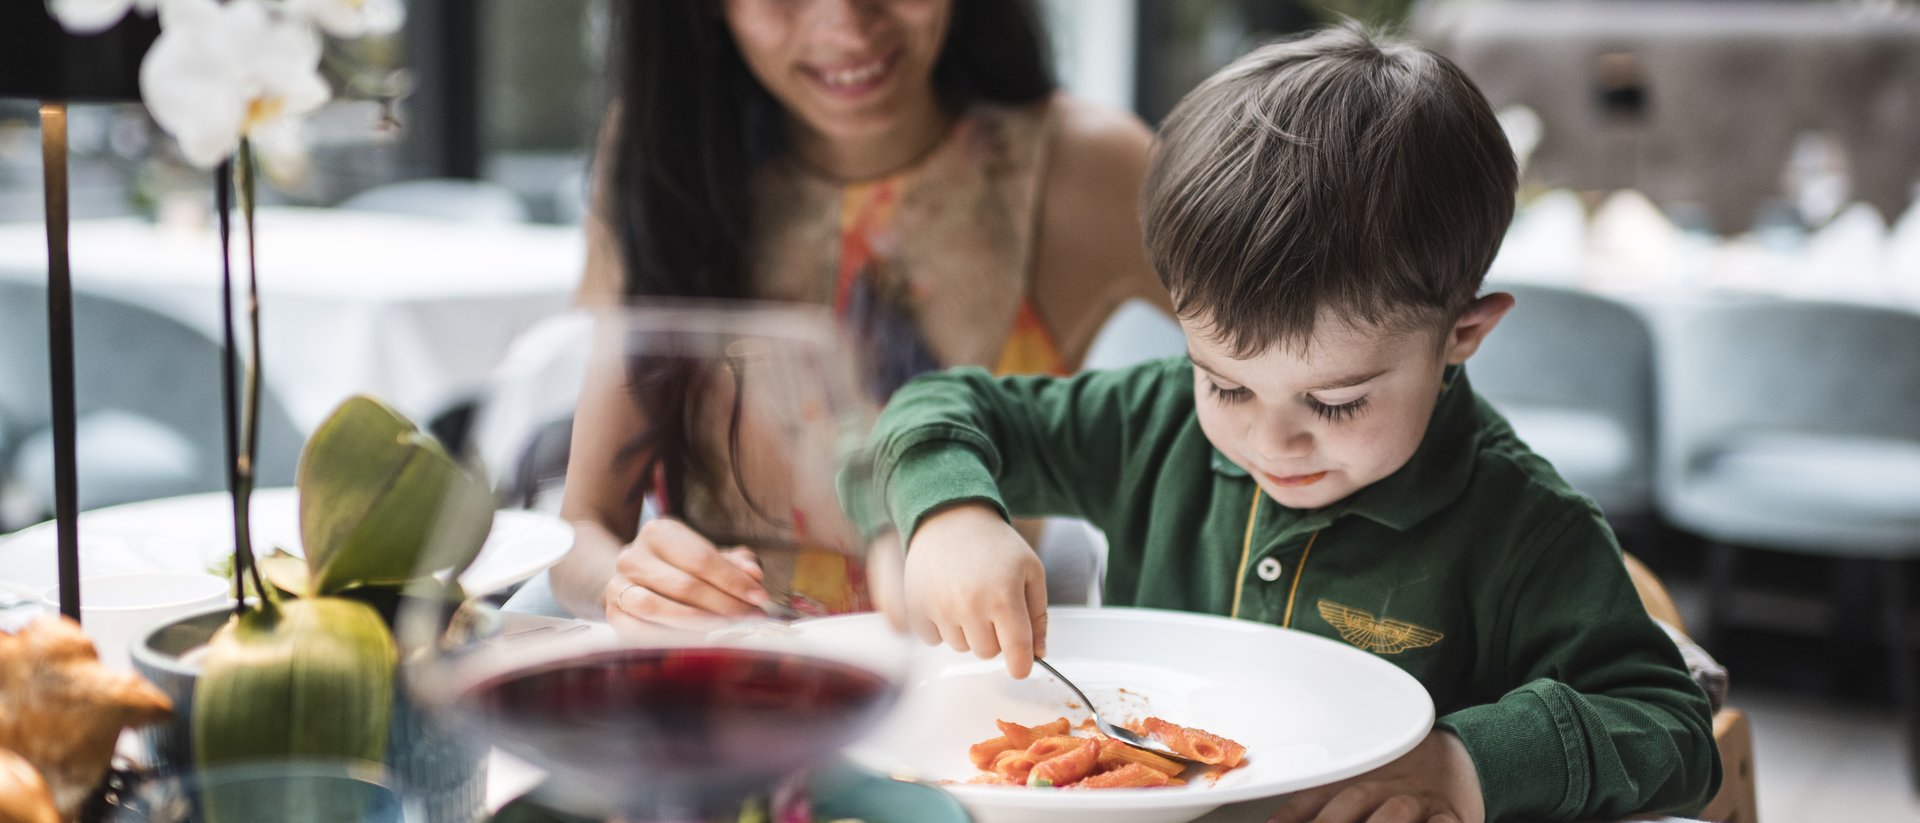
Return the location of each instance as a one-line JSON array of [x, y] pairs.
[[1323, 212]]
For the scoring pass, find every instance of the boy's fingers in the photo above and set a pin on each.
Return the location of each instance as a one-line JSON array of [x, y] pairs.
[[1351, 804], [1301, 807], [1036, 594], [926, 630], [1016, 636], [1401, 809], [952, 634], [981, 638]]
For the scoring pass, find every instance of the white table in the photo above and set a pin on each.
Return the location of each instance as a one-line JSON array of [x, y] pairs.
[[413, 310]]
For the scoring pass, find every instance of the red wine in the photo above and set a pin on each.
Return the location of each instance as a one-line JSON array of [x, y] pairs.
[[658, 730]]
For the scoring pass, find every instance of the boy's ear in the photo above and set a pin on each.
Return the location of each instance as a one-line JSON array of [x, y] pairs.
[[1475, 322]]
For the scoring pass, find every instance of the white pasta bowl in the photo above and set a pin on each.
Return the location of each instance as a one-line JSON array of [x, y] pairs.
[[1309, 710]]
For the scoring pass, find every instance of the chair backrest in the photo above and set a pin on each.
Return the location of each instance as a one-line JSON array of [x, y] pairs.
[[525, 412], [23, 361], [1768, 366], [133, 359], [476, 201], [1571, 349], [1137, 332]]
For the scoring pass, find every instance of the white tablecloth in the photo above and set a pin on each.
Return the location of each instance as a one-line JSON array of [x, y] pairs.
[[412, 310]]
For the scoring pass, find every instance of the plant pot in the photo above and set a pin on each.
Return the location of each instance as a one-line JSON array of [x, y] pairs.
[[432, 764]]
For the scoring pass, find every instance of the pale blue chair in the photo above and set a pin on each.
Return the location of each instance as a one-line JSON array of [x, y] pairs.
[[1574, 373], [1795, 427], [147, 398]]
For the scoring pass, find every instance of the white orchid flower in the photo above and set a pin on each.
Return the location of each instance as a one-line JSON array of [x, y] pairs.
[[94, 16], [220, 72], [351, 18]]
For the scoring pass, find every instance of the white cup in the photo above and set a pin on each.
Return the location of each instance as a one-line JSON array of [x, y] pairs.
[[116, 609]]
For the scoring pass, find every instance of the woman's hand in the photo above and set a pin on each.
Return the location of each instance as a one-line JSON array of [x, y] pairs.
[[671, 575], [974, 584], [1434, 783]]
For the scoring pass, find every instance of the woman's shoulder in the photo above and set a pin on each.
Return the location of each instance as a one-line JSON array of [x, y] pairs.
[[1076, 126], [1098, 153], [1087, 126]]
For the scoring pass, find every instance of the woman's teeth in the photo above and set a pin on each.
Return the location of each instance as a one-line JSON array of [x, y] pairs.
[[854, 76]]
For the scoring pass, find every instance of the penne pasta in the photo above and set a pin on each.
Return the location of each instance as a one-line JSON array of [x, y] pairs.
[[1196, 744], [983, 752], [1129, 776], [1115, 754], [1020, 737], [1014, 765], [1050, 755], [1068, 767], [1050, 747]]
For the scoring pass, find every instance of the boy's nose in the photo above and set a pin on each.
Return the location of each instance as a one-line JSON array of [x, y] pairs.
[[1277, 440]]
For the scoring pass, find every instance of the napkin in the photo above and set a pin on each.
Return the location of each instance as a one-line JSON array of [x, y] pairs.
[[1545, 242], [1903, 254], [1846, 257], [1633, 244]]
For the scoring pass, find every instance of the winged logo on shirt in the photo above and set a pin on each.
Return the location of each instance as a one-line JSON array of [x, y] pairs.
[[1374, 634]]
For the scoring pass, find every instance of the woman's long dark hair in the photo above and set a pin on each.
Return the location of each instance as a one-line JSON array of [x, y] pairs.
[[693, 127]]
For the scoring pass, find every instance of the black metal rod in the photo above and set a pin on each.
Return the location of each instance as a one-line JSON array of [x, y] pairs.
[[66, 506]]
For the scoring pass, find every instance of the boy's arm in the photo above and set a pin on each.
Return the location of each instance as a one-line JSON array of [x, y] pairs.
[[1608, 722], [955, 453], [1027, 446]]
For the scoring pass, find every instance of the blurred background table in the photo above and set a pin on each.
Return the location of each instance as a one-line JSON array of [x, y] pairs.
[[413, 310]]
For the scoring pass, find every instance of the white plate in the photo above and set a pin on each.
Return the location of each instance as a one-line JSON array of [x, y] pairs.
[[194, 533], [1309, 710]]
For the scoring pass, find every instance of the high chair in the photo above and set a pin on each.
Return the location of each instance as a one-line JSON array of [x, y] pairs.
[[1736, 802]]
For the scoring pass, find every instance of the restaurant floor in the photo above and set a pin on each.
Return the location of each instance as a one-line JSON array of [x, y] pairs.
[[1828, 742]]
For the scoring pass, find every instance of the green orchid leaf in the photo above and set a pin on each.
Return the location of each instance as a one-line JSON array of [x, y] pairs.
[[287, 572], [382, 502], [309, 678]]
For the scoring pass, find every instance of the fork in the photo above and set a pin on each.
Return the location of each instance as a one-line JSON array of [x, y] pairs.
[[1112, 730]]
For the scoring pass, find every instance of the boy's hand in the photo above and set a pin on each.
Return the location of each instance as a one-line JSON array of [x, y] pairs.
[[1434, 783], [671, 575], [974, 584]]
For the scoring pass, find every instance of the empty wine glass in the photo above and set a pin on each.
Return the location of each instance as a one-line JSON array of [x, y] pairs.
[[751, 427]]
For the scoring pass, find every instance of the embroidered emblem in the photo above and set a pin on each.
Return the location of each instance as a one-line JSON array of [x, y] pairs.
[[1373, 634]]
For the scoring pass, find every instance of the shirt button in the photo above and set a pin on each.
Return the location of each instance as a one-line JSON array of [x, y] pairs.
[[1268, 569]]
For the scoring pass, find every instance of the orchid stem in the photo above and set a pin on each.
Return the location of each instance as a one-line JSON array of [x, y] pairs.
[[250, 418], [223, 208]]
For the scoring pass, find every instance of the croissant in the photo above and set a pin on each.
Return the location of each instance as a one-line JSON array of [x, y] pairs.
[[24, 797], [62, 711]]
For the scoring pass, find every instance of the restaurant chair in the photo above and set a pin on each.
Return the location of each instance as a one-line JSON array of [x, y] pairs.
[[147, 403], [1737, 801], [1573, 372], [1072, 550], [472, 201], [523, 422], [1794, 427]]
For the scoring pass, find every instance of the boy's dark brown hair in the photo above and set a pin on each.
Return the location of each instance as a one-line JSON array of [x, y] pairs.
[[1337, 172]]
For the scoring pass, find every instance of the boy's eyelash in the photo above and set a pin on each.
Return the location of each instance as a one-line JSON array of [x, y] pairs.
[[1328, 412], [1336, 414], [1229, 396]]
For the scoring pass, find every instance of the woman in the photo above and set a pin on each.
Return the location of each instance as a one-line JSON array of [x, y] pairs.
[[906, 161]]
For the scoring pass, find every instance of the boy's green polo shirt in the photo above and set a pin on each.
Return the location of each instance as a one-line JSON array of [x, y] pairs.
[[1474, 567]]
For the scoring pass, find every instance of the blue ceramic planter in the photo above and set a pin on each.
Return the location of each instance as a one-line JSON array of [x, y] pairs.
[[435, 767]]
